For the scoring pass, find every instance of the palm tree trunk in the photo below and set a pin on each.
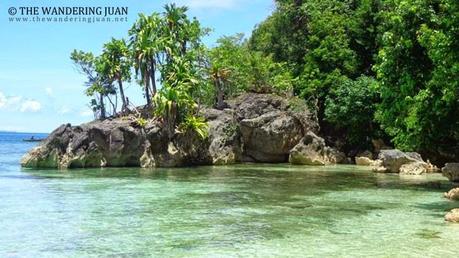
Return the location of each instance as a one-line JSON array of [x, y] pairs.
[[102, 106], [123, 98], [147, 89], [153, 76]]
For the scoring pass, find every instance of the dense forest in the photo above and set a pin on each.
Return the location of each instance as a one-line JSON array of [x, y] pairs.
[[372, 70]]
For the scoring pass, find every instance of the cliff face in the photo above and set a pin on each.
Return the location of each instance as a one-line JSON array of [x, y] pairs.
[[255, 128]]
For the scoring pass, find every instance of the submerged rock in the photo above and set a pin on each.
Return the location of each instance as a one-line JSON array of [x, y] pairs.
[[255, 127], [452, 216], [452, 194], [311, 150], [451, 171]]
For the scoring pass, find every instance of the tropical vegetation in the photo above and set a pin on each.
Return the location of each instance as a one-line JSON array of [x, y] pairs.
[[370, 69]]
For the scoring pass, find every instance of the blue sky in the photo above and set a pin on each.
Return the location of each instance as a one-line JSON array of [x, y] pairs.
[[39, 86]]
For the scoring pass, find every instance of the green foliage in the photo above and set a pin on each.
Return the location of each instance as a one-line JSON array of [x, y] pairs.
[[115, 60], [418, 66], [351, 108], [97, 84], [142, 122], [234, 68], [328, 52], [169, 44], [322, 43], [196, 124]]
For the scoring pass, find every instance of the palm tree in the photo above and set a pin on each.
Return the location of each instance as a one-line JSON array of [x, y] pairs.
[[145, 47], [115, 56]]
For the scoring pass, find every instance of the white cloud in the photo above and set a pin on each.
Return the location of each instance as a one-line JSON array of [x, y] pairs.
[[9, 102], [2, 100], [30, 106], [18, 103], [211, 4]]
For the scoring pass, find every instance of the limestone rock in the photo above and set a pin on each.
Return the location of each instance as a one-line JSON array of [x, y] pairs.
[[311, 150], [452, 216], [396, 161], [452, 194], [413, 168], [225, 136], [364, 161], [451, 171], [255, 127], [431, 168], [270, 137]]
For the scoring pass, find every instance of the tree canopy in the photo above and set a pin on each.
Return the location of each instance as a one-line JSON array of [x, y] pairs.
[[371, 69]]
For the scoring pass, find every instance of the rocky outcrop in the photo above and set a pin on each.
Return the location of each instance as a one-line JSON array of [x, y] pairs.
[[396, 161], [452, 194], [451, 171], [270, 127], [311, 150], [96, 144], [452, 216], [224, 136], [254, 127]]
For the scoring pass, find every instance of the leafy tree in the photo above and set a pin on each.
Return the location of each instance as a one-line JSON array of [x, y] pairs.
[[96, 84], [351, 110], [180, 68], [234, 68], [115, 63], [418, 69], [145, 41]]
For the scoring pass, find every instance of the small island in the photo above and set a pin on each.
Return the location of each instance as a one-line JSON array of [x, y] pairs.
[[329, 95], [365, 91]]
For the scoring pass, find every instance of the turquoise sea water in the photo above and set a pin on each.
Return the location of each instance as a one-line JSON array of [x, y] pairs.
[[234, 211]]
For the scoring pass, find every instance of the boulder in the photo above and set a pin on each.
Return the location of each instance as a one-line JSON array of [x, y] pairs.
[[224, 136], [396, 161], [271, 136], [452, 194], [452, 216], [311, 150], [96, 144], [413, 168], [451, 171], [253, 105], [364, 161], [270, 126]]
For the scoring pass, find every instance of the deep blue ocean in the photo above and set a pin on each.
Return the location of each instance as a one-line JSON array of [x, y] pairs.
[[12, 147]]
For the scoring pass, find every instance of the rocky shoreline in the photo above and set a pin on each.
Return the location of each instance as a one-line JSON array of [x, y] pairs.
[[254, 127]]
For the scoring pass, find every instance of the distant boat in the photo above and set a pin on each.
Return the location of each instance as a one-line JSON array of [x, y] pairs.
[[32, 139]]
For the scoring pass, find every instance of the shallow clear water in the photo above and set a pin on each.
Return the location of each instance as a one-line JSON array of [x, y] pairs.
[[243, 210]]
